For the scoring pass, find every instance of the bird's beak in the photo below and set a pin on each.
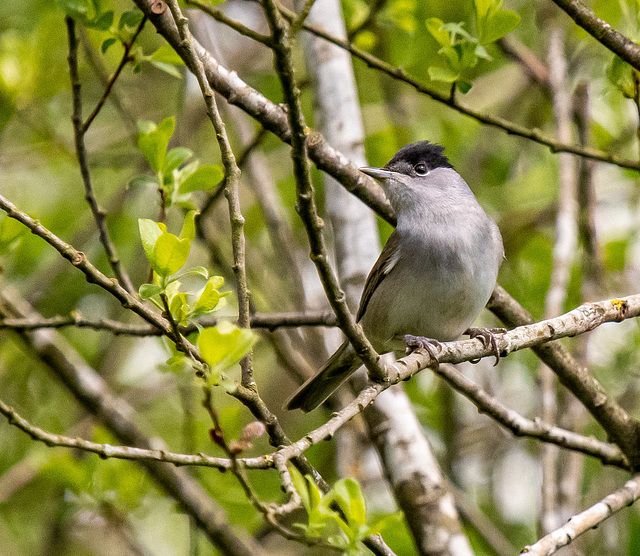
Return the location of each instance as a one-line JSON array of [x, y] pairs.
[[377, 173]]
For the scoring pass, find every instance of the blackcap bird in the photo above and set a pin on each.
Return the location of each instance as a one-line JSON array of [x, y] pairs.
[[434, 275]]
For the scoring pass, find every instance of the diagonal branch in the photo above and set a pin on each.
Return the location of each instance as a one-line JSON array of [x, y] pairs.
[[602, 31], [588, 519], [79, 130], [306, 205]]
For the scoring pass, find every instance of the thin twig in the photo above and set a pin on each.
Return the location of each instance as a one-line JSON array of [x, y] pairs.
[[79, 130], [221, 17], [123, 62], [306, 205], [270, 321]]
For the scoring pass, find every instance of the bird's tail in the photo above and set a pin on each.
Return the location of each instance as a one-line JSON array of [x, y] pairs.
[[342, 364]]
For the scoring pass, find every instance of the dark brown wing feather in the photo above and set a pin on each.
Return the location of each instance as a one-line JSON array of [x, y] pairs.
[[378, 273]]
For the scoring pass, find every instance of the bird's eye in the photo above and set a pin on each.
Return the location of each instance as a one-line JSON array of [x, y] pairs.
[[421, 169]]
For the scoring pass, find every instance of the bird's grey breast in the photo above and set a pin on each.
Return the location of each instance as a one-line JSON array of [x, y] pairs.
[[445, 267]]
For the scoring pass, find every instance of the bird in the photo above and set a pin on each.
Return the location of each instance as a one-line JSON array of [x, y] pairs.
[[434, 275]]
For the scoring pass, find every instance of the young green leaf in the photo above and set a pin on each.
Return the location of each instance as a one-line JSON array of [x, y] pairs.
[[169, 254], [167, 55], [149, 234], [176, 158], [147, 291], [203, 179], [300, 485], [223, 346], [167, 68], [445, 75], [189, 227], [154, 143], [500, 23], [435, 27], [106, 44], [208, 300], [131, 19]]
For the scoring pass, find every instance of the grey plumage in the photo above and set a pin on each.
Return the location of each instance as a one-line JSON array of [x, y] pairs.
[[435, 273]]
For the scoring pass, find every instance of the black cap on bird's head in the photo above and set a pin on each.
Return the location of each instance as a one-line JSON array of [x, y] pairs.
[[415, 159]]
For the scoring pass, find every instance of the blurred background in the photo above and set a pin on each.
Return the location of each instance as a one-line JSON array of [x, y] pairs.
[[64, 502]]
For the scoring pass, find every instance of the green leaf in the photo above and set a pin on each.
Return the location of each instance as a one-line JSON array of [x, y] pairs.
[[103, 22], [620, 75], [143, 180], [464, 85], [169, 254], [189, 227], [106, 44], [154, 143], [208, 300], [434, 26], [176, 158], [300, 485], [167, 68], [150, 232], [130, 19], [179, 308], [203, 179], [223, 346], [78, 9], [147, 291], [167, 55], [498, 25], [10, 232], [445, 75]]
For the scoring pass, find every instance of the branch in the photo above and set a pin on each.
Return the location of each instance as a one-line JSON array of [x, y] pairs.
[[600, 30], [620, 427], [270, 321], [608, 453], [589, 519], [132, 453], [79, 131], [306, 206], [511, 128], [93, 275], [90, 389]]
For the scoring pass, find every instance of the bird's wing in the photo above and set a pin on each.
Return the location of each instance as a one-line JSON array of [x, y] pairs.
[[386, 261]]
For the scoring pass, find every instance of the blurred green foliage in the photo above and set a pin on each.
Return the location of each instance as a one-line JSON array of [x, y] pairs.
[[72, 496]]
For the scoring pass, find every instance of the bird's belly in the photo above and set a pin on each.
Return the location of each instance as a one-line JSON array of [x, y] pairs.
[[434, 303]]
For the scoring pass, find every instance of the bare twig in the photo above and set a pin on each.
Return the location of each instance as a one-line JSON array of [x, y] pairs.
[[588, 519], [123, 62], [80, 130], [602, 31], [220, 16], [306, 206], [609, 454], [90, 389]]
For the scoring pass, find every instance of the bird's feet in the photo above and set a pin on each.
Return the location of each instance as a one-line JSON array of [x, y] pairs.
[[488, 336], [416, 343]]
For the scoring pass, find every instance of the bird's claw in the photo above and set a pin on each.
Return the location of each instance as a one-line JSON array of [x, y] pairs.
[[417, 343], [488, 337]]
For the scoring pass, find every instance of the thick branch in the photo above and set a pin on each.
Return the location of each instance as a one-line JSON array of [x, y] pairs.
[[600, 30], [620, 427]]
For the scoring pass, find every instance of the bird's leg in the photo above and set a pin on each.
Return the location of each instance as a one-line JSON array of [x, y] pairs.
[[488, 337], [416, 343]]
